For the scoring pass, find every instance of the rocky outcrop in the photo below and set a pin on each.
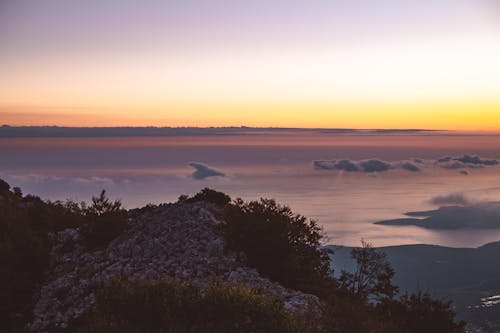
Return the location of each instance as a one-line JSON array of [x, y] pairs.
[[170, 241]]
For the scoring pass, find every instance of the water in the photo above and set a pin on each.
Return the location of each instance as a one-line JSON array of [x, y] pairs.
[[142, 170]]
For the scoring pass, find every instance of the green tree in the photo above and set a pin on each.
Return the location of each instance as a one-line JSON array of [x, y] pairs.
[[281, 245]]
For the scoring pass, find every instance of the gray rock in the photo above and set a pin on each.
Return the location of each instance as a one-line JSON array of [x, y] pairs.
[[173, 241]]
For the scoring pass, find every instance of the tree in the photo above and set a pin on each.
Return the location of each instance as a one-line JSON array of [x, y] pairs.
[[105, 219], [207, 195], [371, 279], [281, 245]]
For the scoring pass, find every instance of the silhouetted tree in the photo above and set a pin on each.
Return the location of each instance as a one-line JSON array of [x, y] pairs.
[[106, 219], [208, 195], [281, 245], [372, 277]]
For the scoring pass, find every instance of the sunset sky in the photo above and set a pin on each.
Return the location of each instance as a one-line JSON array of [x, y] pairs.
[[303, 63]]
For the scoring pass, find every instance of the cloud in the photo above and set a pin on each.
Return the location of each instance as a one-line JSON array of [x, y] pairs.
[[204, 171], [94, 180], [410, 167], [450, 199], [345, 165], [466, 161], [413, 165], [374, 165], [444, 159], [368, 166], [452, 165], [475, 160], [324, 164]]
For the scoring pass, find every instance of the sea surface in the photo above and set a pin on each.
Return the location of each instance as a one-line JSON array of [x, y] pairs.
[[275, 164]]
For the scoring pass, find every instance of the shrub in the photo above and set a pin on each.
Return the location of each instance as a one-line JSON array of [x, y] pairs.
[[419, 312], [281, 245], [169, 306], [207, 195], [24, 247], [25, 223]]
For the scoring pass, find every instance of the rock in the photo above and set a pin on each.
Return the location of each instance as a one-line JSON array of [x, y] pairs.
[[171, 241]]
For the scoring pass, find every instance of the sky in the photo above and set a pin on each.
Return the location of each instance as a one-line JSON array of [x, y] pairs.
[[304, 63]]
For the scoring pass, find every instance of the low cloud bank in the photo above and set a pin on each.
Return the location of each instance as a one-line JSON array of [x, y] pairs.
[[203, 171], [466, 161], [451, 199], [368, 166], [412, 165]]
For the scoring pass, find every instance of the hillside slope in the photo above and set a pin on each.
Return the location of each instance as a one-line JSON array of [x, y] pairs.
[[170, 241]]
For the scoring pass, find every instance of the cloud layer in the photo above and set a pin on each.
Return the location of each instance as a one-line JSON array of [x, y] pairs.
[[368, 166], [466, 161], [412, 165]]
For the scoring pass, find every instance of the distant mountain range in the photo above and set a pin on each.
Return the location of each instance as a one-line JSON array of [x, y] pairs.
[[470, 277]]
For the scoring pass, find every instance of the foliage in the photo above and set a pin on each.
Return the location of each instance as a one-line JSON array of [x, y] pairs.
[[371, 279], [281, 245], [169, 306], [207, 195], [26, 223], [419, 313], [105, 219], [366, 301]]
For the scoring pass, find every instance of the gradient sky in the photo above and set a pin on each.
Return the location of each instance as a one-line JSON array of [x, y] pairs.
[[303, 63]]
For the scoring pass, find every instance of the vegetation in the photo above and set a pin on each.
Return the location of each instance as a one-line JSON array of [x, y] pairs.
[[105, 219], [371, 279], [419, 313], [366, 301], [286, 247], [26, 223], [207, 195], [281, 245], [170, 306]]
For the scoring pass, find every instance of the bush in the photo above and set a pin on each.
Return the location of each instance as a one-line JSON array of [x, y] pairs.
[[417, 313], [25, 225], [169, 306], [207, 195], [281, 245]]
